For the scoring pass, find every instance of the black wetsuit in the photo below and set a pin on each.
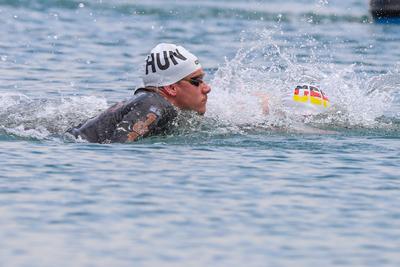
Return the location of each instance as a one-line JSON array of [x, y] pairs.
[[145, 114]]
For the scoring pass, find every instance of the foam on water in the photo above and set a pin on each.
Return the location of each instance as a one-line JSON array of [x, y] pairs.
[[44, 118]]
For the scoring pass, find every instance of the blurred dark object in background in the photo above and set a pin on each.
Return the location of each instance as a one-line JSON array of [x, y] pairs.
[[381, 9]]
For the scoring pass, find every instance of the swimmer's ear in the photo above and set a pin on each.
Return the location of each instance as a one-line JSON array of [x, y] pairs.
[[170, 90]]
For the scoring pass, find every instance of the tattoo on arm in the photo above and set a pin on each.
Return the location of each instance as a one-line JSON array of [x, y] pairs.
[[140, 128]]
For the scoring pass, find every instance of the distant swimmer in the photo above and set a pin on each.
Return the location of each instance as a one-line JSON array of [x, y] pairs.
[[305, 100], [173, 79], [310, 94]]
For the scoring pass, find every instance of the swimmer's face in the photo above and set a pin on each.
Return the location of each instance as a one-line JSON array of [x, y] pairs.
[[192, 92]]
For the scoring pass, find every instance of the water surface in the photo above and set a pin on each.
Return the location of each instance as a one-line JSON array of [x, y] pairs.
[[235, 188]]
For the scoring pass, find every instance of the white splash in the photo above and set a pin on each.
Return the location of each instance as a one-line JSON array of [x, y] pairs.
[[261, 69], [43, 118]]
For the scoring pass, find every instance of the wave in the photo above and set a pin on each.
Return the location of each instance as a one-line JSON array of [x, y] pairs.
[[41, 4], [204, 10]]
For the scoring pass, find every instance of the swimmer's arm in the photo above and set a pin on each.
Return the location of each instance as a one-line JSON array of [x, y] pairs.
[[134, 126], [264, 101], [141, 128]]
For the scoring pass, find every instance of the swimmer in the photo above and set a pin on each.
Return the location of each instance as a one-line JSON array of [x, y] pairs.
[[306, 100], [173, 79]]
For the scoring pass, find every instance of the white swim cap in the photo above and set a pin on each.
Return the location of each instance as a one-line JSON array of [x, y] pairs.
[[167, 64]]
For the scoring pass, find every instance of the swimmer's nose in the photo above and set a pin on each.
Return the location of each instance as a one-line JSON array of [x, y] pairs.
[[206, 88]]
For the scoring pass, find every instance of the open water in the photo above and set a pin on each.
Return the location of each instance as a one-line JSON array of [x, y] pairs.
[[297, 187]]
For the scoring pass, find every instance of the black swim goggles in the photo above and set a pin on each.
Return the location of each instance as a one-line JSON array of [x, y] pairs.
[[195, 81]]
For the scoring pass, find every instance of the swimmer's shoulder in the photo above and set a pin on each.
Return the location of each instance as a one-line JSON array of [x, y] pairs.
[[153, 100]]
